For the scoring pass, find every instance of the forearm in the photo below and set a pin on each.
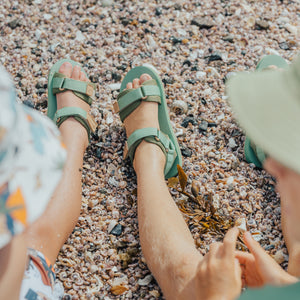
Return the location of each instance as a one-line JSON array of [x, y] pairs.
[[294, 263], [12, 266]]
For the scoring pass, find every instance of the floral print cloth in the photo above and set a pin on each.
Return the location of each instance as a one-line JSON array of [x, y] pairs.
[[31, 162], [39, 280]]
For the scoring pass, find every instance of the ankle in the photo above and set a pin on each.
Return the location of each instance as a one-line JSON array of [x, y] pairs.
[[149, 158], [74, 134]]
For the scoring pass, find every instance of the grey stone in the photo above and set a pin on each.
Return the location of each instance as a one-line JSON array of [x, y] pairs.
[[203, 125], [117, 230], [261, 24], [284, 46], [203, 23], [14, 23], [158, 11], [188, 120], [229, 38], [106, 3], [215, 56], [186, 152]]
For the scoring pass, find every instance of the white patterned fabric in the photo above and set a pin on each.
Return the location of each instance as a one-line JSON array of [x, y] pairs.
[[31, 162]]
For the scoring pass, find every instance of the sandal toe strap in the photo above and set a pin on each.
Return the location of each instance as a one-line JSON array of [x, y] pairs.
[[155, 136], [85, 90], [128, 100]]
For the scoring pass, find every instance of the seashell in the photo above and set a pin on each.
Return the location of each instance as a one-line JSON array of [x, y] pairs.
[[291, 28], [250, 21], [145, 281], [257, 235], [179, 107], [279, 256], [241, 224]]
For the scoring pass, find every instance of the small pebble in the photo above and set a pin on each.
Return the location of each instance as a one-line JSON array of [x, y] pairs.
[[262, 24], [145, 281], [232, 143], [117, 230], [279, 256]]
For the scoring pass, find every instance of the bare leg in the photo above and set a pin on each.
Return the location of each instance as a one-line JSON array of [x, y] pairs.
[[166, 241], [51, 230]]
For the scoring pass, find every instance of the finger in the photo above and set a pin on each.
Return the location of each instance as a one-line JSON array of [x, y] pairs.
[[254, 246], [244, 257], [214, 249], [129, 86], [229, 242], [238, 269]]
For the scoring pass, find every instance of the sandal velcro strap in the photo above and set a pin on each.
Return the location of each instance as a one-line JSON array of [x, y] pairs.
[[154, 136], [128, 100], [79, 115], [85, 90]]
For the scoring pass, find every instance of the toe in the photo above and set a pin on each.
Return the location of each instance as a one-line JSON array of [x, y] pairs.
[[136, 83], [66, 69], [82, 77], [145, 77], [129, 85], [76, 73]]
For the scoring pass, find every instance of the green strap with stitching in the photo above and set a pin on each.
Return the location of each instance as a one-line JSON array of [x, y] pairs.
[[85, 90], [77, 113], [130, 99], [154, 136]]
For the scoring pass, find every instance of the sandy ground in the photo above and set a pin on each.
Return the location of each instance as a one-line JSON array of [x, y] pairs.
[[195, 46]]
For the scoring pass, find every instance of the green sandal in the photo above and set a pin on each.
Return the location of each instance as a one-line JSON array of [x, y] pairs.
[[151, 91], [58, 83], [253, 153]]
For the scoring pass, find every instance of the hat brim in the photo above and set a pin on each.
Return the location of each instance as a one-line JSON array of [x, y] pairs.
[[269, 111]]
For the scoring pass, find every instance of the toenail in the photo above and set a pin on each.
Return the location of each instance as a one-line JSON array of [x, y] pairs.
[[66, 65]]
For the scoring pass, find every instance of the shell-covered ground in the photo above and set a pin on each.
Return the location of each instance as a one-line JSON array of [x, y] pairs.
[[195, 46]]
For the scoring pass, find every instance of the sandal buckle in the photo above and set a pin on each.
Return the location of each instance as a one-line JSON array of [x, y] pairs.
[[90, 90], [143, 93], [116, 107]]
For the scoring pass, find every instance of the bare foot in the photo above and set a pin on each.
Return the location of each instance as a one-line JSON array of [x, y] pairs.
[[68, 98], [145, 115]]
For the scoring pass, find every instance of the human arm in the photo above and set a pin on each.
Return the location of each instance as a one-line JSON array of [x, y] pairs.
[[12, 266]]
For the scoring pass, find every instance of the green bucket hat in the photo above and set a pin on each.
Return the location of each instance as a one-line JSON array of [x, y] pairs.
[[267, 105]]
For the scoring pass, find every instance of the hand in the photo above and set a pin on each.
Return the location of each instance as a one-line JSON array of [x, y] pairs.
[[259, 268], [219, 274]]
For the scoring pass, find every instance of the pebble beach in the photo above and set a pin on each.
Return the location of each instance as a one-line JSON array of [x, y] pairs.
[[195, 46]]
